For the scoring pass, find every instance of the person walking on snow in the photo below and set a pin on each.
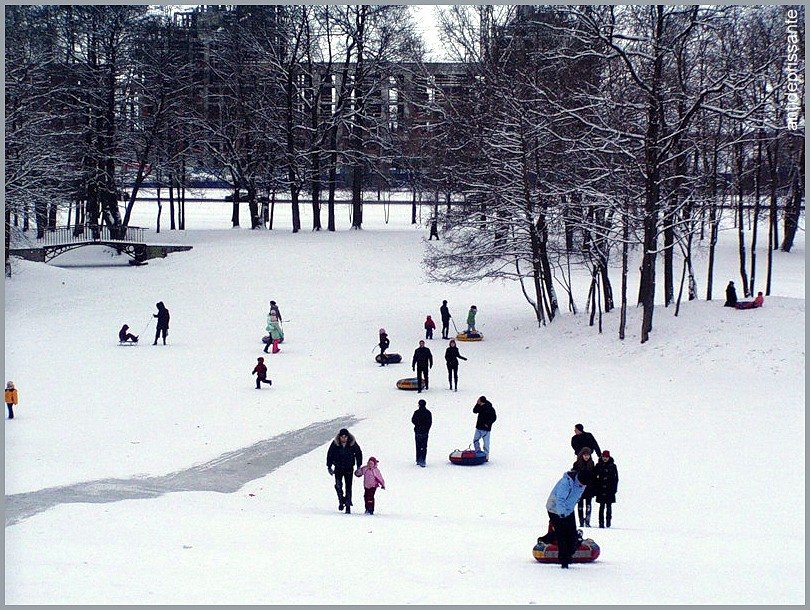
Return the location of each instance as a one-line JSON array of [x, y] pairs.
[[584, 439], [430, 326], [445, 313], [731, 295], [11, 398], [275, 310], [421, 363], [422, 420], [471, 319], [340, 460], [372, 479], [451, 357], [584, 462], [606, 483], [384, 343], [162, 322], [124, 335], [276, 333], [483, 426], [260, 370], [560, 506]]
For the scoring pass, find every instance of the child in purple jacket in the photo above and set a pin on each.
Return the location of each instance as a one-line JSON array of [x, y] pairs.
[[372, 479]]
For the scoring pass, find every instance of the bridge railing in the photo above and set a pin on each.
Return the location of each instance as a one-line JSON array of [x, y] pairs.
[[68, 235]]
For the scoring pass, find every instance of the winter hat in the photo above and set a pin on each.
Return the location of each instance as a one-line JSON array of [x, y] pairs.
[[606, 453], [343, 432], [10, 385], [382, 331], [585, 451], [260, 359], [422, 402], [373, 459]]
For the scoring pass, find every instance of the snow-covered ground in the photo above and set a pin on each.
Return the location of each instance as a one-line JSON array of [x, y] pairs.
[[705, 422]]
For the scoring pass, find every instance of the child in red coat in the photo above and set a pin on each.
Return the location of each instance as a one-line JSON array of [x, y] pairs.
[[260, 370], [430, 325]]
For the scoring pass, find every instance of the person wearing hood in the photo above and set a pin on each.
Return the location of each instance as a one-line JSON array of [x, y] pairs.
[[11, 398], [606, 483], [560, 506], [584, 439], [260, 370], [430, 326], [483, 425], [731, 295], [471, 319], [372, 479], [422, 420], [124, 335], [341, 457], [162, 322]]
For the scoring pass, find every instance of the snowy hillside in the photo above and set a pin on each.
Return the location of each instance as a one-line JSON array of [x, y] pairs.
[[703, 422]]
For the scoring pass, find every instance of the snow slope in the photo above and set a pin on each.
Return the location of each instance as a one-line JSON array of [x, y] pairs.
[[703, 421]]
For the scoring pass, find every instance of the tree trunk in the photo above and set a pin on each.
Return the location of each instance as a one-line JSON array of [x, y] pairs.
[[738, 164]]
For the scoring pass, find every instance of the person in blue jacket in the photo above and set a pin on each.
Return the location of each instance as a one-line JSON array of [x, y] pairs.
[[560, 506]]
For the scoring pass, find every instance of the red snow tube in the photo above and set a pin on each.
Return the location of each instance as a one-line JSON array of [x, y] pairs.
[[468, 457], [587, 551]]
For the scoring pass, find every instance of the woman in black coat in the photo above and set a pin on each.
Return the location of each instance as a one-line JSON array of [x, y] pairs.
[[607, 482], [451, 357], [584, 462]]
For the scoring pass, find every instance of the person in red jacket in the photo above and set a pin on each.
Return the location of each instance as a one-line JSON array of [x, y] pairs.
[[260, 370], [430, 326], [758, 301]]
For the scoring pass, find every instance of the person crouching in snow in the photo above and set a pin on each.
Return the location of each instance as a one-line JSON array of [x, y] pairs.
[[260, 370], [372, 479], [276, 334], [560, 506], [430, 326]]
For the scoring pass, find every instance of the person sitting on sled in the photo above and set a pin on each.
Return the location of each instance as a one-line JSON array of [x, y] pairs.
[[758, 301], [124, 335]]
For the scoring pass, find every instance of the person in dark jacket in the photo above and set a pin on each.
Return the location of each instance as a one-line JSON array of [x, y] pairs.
[[343, 453], [384, 343], [731, 295], [124, 335], [162, 322], [422, 420], [560, 506], [584, 439], [275, 310], [421, 363], [451, 357], [584, 462], [606, 483], [260, 370], [483, 425], [445, 313]]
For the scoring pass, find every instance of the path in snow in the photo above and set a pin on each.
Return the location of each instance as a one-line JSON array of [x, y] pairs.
[[225, 474]]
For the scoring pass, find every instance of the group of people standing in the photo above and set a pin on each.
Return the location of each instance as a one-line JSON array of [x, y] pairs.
[[576, 489], [422, 360]]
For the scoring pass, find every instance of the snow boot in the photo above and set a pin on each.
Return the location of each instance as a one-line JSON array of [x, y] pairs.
[[341, 498]]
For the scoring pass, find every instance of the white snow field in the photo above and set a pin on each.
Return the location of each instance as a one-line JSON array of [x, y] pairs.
[[705, 422]]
